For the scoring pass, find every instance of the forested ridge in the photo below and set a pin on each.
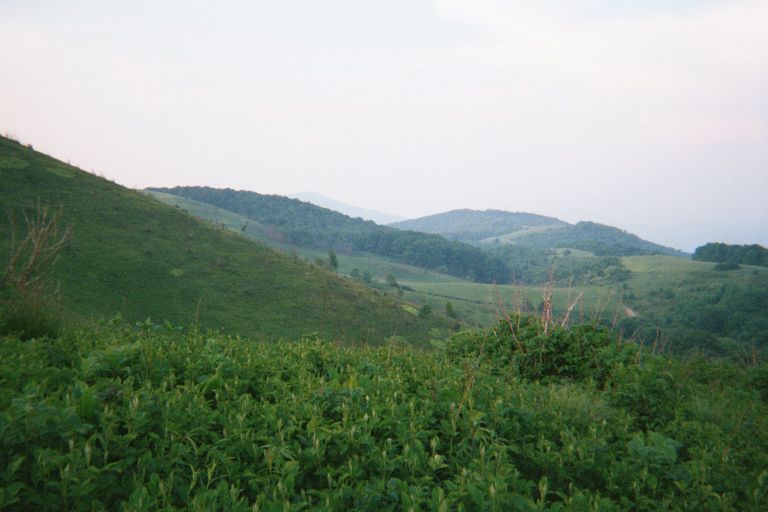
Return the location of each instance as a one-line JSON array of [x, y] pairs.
[[302, 223]]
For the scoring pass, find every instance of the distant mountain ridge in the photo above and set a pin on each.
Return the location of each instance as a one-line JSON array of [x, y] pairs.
[[483, 227], [347, 209], [305, 224], [473, 226]]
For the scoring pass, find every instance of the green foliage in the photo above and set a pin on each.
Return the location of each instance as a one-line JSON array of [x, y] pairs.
[[494, 227], [425, 311], [732, 254], [305, 224], [680, 303], [449, 310], [474, 226], [596, 238], [531, 265], [130, 254], [333, 260], [526, 346], [149, 417], [30, 315]]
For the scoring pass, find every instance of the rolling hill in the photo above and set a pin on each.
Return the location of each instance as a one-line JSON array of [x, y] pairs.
[[377, 266], [304, 224], [474, 226], [494, 227], [132, 255]]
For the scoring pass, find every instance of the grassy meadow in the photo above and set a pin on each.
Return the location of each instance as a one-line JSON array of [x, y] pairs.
[[129, 254]]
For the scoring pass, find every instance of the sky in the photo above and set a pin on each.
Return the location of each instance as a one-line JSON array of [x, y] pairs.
[[651, 116]]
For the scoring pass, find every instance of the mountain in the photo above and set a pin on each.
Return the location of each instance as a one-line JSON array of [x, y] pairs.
[[304, 224], [346, 209], [473, 226], [494, 227], [130, 254]]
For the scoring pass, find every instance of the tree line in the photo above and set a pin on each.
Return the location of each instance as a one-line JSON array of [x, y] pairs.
[[736, 254]]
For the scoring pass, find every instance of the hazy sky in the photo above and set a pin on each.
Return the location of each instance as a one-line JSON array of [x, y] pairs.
[[653, 118]]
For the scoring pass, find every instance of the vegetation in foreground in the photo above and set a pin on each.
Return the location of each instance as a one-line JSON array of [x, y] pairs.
[[512, 418]]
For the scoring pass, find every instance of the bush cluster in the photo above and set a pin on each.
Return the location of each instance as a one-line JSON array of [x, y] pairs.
[[151, 418]]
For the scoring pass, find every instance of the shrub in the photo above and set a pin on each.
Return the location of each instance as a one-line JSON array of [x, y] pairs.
[[29, 315], [538, 353]]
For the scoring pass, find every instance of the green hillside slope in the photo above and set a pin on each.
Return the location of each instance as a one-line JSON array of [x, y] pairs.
[[597, 238], [378, 267], [309, 225], [497, 227], [130, 254], [473, 226], [683, 304]]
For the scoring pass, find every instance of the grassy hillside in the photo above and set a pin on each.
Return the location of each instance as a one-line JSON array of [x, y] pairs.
[[129, 254], [151, 419], [308, 225], [377, 266]]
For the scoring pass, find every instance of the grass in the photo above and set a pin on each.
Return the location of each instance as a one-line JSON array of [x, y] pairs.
[[132, 255]]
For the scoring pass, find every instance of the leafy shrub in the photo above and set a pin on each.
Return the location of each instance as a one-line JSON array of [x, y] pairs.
[[650, 393], [523, 344], [29, 315], [148, 417]]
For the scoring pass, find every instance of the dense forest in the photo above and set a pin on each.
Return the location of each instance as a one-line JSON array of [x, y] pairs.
[[732, 254], [305, 224]]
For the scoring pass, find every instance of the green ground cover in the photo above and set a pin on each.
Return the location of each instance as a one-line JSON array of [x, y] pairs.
[[151, 417]]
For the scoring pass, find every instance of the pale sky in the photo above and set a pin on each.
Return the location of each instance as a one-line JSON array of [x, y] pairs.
[[651, 116]]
